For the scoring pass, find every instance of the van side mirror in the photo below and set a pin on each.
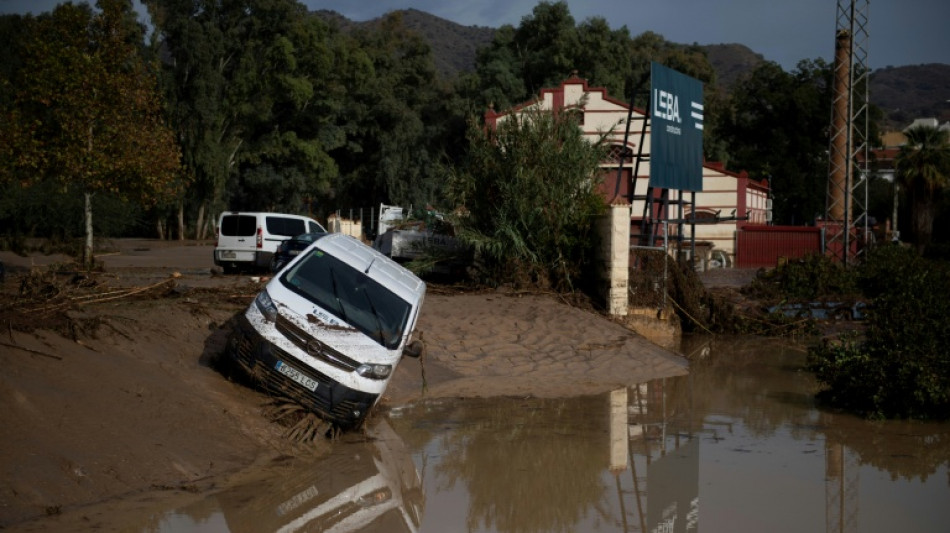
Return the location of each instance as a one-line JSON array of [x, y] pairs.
[[413, 349]]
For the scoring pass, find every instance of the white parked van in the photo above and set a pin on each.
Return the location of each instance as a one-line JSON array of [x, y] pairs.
[[330, 328], [249, 239]]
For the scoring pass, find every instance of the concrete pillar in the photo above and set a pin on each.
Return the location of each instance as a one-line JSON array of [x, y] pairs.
[[615, 257]]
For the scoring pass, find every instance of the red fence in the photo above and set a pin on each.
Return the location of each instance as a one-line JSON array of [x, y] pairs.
[[762, 246]]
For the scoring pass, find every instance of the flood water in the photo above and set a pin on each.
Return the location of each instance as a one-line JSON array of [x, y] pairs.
[[736, 446]]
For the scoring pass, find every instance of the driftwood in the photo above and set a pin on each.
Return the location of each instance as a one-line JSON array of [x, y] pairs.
[[30, 350], [101, 297]]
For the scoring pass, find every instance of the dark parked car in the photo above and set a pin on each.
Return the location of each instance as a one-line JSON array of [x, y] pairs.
[[290, 248]]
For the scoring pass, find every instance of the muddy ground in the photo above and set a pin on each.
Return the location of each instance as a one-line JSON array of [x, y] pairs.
[[111, 405]]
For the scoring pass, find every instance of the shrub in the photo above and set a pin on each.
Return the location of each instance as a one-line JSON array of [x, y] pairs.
[[811, 277], [902, 366], [530, 190]]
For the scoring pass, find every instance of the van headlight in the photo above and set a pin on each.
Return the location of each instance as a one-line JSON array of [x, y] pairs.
[[375, 371], [266, 306]]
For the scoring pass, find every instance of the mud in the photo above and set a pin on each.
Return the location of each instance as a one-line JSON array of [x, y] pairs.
[[118, 413]]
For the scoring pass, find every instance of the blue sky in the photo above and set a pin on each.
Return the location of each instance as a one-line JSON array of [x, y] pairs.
[[905, 32]]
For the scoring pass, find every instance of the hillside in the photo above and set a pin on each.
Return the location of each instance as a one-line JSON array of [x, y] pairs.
[[731, 61], [453, 46], [903, 93], [909, 92]]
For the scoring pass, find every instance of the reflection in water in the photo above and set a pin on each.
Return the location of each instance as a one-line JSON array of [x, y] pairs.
[[367, 486], [526, 465], [737, 445]]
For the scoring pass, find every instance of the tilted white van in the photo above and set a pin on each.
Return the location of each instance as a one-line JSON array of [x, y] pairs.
[[330, 328]]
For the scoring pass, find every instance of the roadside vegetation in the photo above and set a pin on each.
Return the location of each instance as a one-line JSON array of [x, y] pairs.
[[888, 361], [899, 366], [527, 201]]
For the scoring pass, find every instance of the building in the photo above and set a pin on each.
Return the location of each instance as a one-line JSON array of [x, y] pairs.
[[733, 197]]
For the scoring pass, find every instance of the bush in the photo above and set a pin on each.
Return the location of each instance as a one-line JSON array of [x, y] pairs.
[[809, 278], [901, 369], [530, 190]]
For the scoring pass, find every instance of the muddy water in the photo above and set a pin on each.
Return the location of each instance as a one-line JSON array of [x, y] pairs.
[[735, 446]]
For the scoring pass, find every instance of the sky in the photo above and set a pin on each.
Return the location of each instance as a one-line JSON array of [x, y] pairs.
[[901, 32]]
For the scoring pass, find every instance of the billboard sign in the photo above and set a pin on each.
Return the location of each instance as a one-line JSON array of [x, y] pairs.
[[676, 132]]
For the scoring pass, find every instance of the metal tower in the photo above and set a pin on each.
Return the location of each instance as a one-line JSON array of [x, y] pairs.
[[846, 219]]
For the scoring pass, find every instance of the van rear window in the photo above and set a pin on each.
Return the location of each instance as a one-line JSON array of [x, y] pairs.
[[288, 227], [238, 225]]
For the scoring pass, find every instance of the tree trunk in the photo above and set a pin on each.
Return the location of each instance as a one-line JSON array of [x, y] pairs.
[[87, 258], [160, 229], [200, 230], [181, 220]]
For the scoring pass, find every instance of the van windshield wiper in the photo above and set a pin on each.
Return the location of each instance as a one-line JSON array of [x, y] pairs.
[[379, 323], [336, 295]]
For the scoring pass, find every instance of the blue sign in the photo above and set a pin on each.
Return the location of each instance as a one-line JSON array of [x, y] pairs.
[[676, 132]]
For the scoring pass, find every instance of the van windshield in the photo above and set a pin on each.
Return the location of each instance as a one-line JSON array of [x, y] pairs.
[[350, 295]]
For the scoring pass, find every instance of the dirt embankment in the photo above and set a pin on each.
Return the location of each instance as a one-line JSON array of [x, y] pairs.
[[109, 395]]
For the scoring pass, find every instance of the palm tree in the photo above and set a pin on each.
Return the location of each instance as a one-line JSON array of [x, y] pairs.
[[923, 170]]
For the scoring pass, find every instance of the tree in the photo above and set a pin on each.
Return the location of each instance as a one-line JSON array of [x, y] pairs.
[[529, 189], [393, 118], [548, 47], [255, 91], [778, 130], [923, 170], [87, 114]]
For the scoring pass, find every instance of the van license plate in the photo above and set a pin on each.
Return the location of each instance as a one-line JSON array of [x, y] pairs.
[[295, 375], [228, 255]]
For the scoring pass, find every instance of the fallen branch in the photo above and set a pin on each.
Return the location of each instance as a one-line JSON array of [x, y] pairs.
[[127, 294], [30, 350]]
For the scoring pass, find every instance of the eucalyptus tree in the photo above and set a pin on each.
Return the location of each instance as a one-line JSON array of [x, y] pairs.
[[87, 113], [549, 45], [923, 171], [393, 117], [520, 61], [255, 92]]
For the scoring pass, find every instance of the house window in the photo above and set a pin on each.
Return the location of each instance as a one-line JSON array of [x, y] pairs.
[[618, 154]]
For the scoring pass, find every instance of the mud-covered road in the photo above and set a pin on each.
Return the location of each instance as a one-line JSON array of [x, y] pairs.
[[111, 406]]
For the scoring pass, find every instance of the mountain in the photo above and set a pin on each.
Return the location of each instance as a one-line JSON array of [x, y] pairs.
[[903, 93], [731, 61], [916, 91], [453, 46]]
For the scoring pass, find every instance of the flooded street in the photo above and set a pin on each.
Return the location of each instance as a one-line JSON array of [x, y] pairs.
[[737, 446]]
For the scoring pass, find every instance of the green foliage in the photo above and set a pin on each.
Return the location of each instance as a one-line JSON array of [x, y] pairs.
[[548, 47], [778, 131], [46, 209], [86, 112], [530, 192], [901, 368], [812, 277], [395, 116]]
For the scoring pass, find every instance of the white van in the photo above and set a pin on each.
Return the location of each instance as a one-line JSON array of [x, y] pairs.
[[330, 328], [249, 239]]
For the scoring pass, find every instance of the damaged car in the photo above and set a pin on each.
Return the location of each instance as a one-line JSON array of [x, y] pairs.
[[329, 330]]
